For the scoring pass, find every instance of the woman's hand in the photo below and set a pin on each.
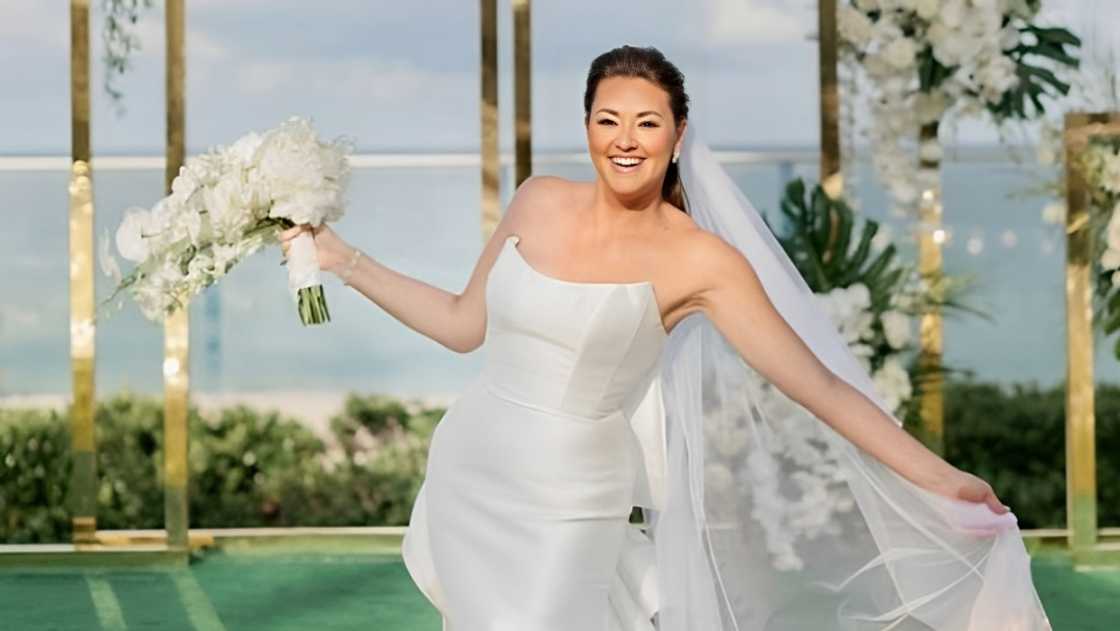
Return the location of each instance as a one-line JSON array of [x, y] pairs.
[[330, 249], [964, 486]]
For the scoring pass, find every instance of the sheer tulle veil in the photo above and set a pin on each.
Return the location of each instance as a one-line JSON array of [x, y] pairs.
[[768, 519]]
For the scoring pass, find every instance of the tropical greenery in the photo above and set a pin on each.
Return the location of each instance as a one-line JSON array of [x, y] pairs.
[[259, 468]]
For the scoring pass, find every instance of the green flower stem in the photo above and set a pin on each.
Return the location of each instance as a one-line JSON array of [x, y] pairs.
[[313, 306]]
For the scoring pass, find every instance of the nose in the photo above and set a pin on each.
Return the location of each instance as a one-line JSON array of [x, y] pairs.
[[625, 141]]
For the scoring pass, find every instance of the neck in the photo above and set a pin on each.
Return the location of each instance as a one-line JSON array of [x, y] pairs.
[[609, 207]]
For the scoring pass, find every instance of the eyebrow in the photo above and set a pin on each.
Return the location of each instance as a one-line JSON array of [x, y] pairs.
[[640, 114]]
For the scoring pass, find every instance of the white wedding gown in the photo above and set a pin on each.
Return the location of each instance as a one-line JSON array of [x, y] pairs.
[[521, 523]]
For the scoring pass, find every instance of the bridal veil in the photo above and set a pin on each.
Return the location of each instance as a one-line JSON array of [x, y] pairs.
[[764, 518]]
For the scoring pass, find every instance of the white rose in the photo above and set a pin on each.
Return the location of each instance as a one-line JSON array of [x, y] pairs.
[[860, 295], [184, 185], [876, 67], [900, 53], [886, 28], [892, 383], [997, 77], [952, 13], [205, 168], [1008, 38], [1110, 259], [131, 239], [861, 325], [930, 151], [1112, 232], [930, 107], [853, 26], [244, 149], [896, 328], [226, 210], [862, 354], [1110, 173], [926, 9]]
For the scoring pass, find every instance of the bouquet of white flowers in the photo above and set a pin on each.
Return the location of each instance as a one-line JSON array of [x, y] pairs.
[[225, 205]]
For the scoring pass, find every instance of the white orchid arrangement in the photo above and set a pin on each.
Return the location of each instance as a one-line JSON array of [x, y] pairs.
[[788, 458], [225, 205], [866, 329], [925, 59], [777, 451]]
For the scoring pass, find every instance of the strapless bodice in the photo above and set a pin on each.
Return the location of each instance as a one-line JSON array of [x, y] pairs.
[[578, 348]]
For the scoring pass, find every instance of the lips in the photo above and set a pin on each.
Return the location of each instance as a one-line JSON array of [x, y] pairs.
[[626, 164]]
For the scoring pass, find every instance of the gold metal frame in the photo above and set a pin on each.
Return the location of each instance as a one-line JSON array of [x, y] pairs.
[[831, 176], [176, 328], [83, 483], [930, 329], [522, 89], [1081, 463], [491, 175]]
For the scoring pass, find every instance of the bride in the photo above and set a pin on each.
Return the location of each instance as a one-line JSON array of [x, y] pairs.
[[648, 343]]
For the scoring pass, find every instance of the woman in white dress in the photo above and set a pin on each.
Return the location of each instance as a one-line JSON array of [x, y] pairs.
[[522, 520]]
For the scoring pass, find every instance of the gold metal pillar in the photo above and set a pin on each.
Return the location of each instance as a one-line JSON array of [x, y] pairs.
[[1081, 465], [491, 208], [176, 327], [831, 177], [930, 237], [83, 481], [522, 88]]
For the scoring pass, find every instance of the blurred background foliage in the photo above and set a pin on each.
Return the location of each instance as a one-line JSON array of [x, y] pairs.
[[247, 467], [254, 468]]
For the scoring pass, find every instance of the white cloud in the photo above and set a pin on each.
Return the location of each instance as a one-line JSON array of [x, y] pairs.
[[745, 22], [35, 24]]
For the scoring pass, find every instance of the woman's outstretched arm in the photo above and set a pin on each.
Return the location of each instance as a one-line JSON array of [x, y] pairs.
[[735, 301], [455, 320]]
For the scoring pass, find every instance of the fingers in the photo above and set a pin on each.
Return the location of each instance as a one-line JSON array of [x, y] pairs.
[[996, 505], [293, 232]]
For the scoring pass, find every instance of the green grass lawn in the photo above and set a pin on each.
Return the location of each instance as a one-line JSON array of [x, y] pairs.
[[332, 590]]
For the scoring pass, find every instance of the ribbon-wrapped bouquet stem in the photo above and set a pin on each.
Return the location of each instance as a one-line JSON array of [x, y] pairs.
[[226, 204]]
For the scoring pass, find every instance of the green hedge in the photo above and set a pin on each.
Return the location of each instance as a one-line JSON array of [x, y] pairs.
[[1014, 438], [254, 468], [247, 468]]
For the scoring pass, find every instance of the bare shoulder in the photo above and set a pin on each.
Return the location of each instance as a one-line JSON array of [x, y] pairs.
[[538, 195], [704, 260], [691, 244]]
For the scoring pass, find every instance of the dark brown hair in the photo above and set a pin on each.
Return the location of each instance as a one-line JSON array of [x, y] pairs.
[[644, 63]]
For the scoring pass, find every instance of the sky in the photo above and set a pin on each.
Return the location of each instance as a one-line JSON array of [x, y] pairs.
[[404, 76]]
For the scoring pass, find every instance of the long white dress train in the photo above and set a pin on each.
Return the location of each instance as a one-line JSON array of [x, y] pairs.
[[521, 522]]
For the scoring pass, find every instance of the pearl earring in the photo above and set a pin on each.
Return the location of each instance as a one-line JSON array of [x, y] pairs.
[[675, 157]]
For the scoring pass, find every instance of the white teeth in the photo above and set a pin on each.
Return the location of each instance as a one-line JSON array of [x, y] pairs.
[[626, 162]]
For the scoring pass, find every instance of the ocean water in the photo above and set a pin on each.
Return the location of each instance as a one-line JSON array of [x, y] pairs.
[[245, 334]]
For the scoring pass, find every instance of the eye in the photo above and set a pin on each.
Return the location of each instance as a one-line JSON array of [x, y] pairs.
[[649, 123], [606, 121]]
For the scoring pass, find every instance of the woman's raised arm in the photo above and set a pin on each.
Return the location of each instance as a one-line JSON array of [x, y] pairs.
[[456, 321], [735, 301]]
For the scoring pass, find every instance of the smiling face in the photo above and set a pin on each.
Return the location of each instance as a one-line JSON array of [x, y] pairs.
[[631, 135]]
